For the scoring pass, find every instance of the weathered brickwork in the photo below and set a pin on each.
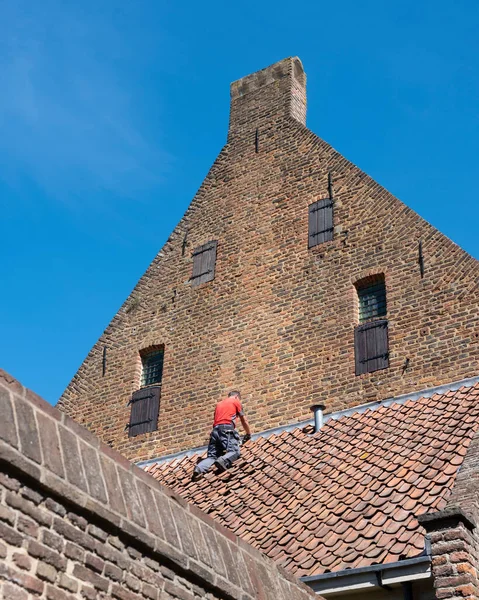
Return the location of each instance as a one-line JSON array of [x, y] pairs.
[[466, 488], [455, 554], [278, 320], [454, 536], [77, 520]]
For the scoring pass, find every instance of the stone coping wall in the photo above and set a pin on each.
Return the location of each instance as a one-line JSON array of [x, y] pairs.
[[77, 520]]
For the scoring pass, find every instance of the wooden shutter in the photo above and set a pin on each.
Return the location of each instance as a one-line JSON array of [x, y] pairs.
[[145, 407], [320, 222], [371, 347], [204, 261]]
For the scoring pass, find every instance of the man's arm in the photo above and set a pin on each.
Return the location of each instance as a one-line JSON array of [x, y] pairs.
[[244, 422]]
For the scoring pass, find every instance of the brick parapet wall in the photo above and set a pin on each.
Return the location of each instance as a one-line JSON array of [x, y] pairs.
[[455, 553], [454, 536], [466, 487], [77, 520]]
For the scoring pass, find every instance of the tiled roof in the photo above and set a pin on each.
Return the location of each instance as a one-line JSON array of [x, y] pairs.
[[345, 497]]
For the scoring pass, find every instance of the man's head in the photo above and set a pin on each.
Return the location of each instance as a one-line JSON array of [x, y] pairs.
[[234, 393]]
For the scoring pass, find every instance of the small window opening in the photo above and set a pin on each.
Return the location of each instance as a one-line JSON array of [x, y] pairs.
[[321, 219], [371, 343], [152, 367], [145, 402], [372, 299], [204, 262]]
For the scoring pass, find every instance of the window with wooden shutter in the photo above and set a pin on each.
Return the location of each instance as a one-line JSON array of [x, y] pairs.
[[320, 225], [204, 260], [145, 408], [371, 346], [145, 403]]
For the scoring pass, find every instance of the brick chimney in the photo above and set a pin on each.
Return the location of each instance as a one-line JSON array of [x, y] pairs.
[[273, 93]]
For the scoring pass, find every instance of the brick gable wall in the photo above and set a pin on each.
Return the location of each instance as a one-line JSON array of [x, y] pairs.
[[278, 320]]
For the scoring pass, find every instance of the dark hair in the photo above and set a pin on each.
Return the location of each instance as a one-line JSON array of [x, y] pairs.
[[234, 393]]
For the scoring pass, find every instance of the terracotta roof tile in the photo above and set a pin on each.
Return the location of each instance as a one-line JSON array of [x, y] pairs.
[[345, 497]]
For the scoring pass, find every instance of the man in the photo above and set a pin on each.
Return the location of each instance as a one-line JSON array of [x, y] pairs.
[[224, 447]]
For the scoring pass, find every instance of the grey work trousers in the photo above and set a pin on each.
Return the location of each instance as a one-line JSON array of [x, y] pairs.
[[223, 442]]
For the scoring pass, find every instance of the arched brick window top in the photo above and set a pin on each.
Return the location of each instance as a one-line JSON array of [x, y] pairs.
[[371, 297]]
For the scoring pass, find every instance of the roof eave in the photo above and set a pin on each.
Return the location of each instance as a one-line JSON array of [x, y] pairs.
[[374, 576]]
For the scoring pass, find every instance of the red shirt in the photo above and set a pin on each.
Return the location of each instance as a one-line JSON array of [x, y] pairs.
[[227, 410]]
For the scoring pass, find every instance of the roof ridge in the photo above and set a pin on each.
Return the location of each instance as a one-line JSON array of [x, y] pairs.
[[359, 409]]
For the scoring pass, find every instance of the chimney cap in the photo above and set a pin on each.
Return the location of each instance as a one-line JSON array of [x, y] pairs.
[[315, 407], [288, 67], [264, 97]]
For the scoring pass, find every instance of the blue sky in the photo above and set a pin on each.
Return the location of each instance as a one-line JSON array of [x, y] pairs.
[[111, 113]]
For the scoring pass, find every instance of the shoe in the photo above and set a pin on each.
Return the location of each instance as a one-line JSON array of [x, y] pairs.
[[196, 475], [221, 464]]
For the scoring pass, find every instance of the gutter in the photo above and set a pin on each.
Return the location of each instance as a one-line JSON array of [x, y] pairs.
[[375, 576]]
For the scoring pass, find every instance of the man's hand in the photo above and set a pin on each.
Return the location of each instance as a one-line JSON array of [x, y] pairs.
[[246, 438]]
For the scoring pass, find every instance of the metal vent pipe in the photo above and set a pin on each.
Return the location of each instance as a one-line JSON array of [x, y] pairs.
[[318, 416]]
